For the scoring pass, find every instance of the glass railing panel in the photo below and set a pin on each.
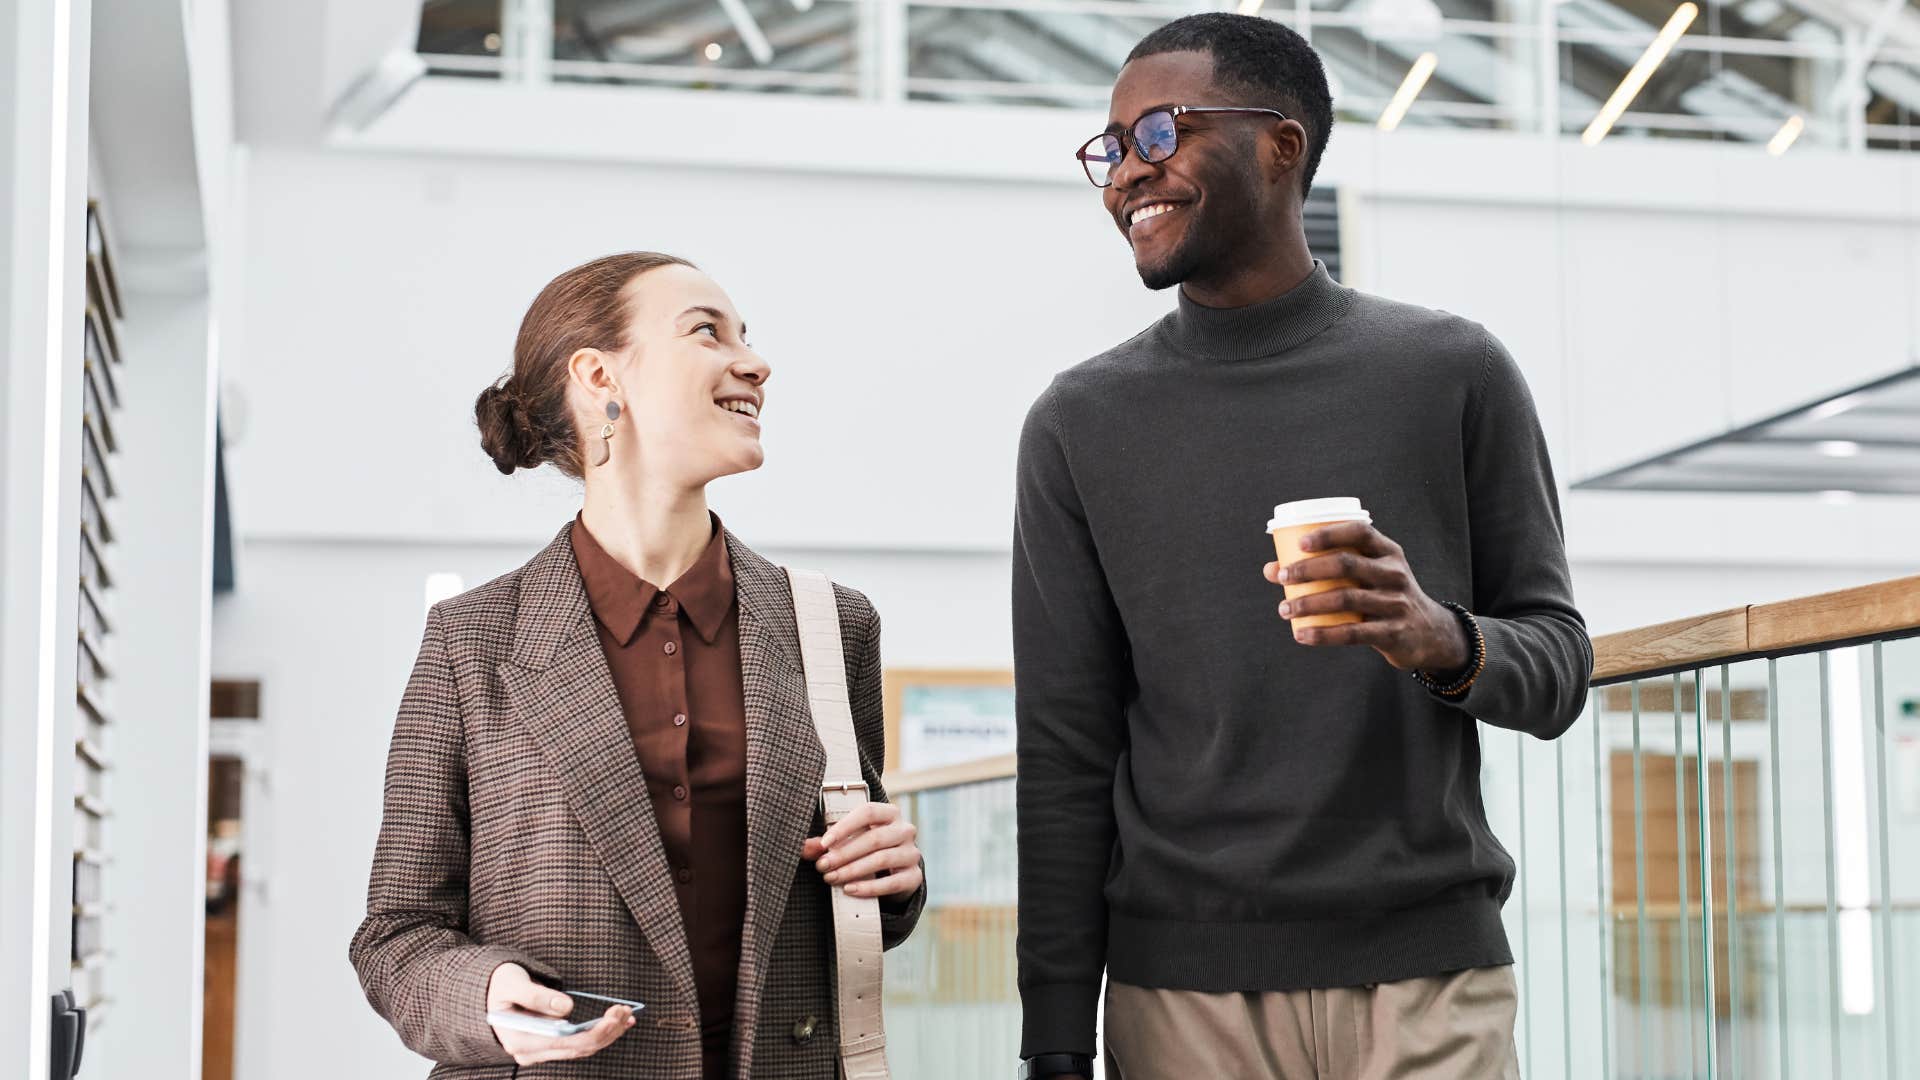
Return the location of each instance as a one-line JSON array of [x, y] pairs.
[[767, 46], [1727, 77], [1806, 985], [1044, 52], [1640, 959], [1589, 925], [1736, 731], [952, 1004], [1689, 851], [1462, 77], [1565, 1016], [1680, 869], [1895, 751], [1758, 931], [1732, 75], [809, 47], [1504, 768]]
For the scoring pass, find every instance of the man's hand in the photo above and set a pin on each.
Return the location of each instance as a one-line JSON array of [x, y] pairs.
[[870, 840], [511, 988], [1403, 623]]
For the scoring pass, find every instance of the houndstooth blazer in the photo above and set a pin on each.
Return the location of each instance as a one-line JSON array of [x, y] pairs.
[[517, 828]]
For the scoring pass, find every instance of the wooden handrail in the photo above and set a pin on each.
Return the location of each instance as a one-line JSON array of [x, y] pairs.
[[1682, 642], [977, 771], [1669, 911], [1886, 609]]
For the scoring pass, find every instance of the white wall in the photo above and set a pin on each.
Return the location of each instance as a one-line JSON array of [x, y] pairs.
[[383, 291], [43, 177], [910, 320]]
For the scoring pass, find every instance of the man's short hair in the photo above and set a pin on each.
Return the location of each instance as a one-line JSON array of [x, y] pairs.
[[1261, 62]]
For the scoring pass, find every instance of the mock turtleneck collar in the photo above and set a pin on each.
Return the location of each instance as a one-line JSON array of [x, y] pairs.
[[1263, 329]]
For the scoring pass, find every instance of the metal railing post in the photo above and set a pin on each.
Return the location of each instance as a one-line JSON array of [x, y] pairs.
[[892, 33], [1547, 67], [526, 40]]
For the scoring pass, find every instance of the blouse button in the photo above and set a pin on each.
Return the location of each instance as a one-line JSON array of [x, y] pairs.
[[679, 792], [679, 719], [685, 875], [671, 648]]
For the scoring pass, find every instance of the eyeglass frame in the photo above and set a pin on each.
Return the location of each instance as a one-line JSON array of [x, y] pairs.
[[1131, 134]]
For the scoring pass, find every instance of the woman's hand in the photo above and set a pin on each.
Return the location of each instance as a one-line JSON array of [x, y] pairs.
[[512, 988], [871, 841]]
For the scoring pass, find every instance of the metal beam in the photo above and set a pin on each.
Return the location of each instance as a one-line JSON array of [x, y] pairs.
[[1903, 29], [1851, 89], [749, 30]]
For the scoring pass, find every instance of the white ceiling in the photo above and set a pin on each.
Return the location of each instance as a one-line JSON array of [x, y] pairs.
[[141, 124], [294, 58]]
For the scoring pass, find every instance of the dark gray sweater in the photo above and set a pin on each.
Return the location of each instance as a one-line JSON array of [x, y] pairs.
[[1203, 803]]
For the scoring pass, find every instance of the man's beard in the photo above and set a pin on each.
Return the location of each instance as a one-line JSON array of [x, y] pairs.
[[1187, 257], [1207, 250]]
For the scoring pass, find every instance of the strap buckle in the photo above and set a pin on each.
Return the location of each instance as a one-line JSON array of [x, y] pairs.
[[832, 818]]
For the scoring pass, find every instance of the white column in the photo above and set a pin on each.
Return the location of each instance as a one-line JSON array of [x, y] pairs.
[[526, 40], [1850, 93], [156, 882], [1547, 64], [881, 49], [891, 34], [43, 165], [866, 47]]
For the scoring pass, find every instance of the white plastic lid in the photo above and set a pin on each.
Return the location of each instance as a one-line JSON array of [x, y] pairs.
[[1317, 511]]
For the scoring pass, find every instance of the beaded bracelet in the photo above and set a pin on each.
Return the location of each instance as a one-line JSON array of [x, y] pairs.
[[1460, 686]]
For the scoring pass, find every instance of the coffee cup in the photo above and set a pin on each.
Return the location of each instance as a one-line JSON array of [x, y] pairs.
[[1294, 520]]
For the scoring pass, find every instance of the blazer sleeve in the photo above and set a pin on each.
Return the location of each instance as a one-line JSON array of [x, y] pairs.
[[861, 640], [417, 965]]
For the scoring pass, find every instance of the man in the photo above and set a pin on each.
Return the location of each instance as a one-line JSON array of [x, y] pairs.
[[1271, 840]]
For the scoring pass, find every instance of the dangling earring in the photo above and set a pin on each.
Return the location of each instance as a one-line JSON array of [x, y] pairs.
[[603, 451]]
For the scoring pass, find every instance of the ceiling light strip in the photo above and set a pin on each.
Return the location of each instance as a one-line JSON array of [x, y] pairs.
[[1788, 132], [1410, 88], [1642, 70]]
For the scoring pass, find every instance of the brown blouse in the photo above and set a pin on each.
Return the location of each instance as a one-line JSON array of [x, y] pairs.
[[675, 658]]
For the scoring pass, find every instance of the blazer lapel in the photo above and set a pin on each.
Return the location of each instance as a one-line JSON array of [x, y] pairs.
[[785, 762], [563, 693]]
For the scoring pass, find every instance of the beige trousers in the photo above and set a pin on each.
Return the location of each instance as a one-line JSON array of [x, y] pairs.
[[1449, 1027]]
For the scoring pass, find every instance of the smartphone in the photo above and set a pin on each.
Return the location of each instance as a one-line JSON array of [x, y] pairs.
[[514, 1020]]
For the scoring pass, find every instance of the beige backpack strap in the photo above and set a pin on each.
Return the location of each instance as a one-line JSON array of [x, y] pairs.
[[856, 919]]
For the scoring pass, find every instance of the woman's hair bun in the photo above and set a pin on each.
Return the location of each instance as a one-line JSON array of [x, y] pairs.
[[525, 419], [507, 430]]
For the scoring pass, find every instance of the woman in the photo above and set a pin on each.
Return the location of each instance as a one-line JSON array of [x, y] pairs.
[[606, 784]]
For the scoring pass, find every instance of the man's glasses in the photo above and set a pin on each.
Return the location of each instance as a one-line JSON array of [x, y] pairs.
[[1155, 137]]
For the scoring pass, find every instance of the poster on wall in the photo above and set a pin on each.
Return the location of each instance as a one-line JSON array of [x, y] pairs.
[[947, 717]]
